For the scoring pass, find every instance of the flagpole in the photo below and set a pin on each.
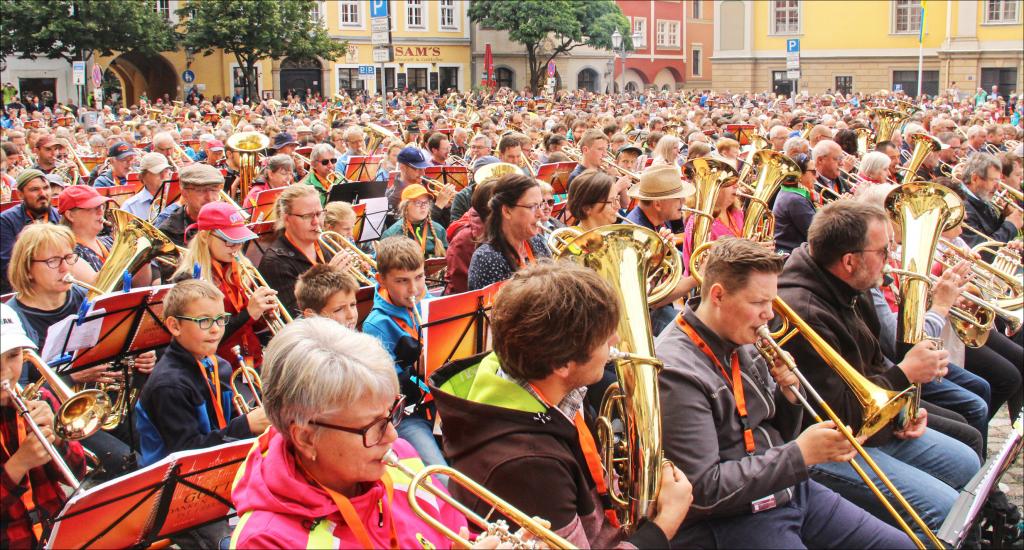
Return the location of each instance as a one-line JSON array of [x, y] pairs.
[[920, 54]]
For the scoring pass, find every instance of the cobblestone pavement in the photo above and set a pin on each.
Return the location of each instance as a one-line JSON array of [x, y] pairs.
[[1013, 480]]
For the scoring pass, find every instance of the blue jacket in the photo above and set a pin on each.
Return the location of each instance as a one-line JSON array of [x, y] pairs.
[[381, 322], [12, 221]]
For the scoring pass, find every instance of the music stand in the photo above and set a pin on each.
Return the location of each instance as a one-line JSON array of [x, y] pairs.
[[449, 175], [363, 168], [364, 303], [263, 204], [356, 191], [265, 237], [557, 175], [119, 193], [360, 211], [455, 327], [186, 490], [560, 212], [170, 191]]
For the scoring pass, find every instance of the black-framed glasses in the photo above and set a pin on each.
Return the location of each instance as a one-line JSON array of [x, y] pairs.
[[531, 207], [374, 432], [883, 251], [309, 217], [325, 162], [206, 323], [54, 262]]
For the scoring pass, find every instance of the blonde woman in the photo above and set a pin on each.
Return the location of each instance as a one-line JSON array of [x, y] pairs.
[[667, 151]]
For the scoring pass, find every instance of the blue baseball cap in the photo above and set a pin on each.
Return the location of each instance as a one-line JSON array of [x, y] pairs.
[[413, 156]]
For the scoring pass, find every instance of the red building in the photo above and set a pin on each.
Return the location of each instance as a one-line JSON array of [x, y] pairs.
[[676, 47]]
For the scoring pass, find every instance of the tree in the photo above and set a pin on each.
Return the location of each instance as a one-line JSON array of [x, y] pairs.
[[75, 29], [253, 30], [549, 28]]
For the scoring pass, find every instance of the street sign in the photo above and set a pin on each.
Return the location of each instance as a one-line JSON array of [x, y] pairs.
[[382, 54], [367, 72], [793, 64], [379, 8], [97, 75], [79, 73], [188, 76], [793, 74], [379, 38], [379, 24], [793, 45], [551, 69]]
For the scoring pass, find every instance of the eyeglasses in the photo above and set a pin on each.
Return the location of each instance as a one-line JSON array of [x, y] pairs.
[[54, 262], [325, 162], [550, 203], [374, 433], [884, 251], [309, 217], [421, 202], [206, 323], [531, 207]]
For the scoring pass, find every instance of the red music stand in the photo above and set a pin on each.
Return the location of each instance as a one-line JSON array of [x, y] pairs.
[[449, 175], [357, 228], [363, 168], [265, 237], [364, 303], [120, 193], [263, 204], [169, 192], [8, 205], [455, 327], [557, 175], [188, 489]]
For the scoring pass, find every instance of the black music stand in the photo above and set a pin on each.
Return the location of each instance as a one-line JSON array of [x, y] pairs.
[[356, 191], [188, 489]]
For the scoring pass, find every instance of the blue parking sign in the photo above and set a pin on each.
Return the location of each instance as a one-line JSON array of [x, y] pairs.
[[379, 8], [793, 45]]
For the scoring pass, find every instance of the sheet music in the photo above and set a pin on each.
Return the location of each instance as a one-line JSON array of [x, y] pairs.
[[84, 336], [376, 211]]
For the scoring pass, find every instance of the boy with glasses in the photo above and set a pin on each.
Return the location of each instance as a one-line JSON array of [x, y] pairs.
[[187, 401]]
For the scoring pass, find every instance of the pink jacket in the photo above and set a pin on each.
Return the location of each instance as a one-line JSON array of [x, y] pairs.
[[279, 508]]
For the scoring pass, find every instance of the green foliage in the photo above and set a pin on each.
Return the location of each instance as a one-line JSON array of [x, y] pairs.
[[252, 30], [67, 29], [570, 23]]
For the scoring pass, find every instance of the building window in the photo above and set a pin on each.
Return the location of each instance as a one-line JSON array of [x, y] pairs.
[[906, 17], [844, 85], [1001, 11], [414, 16], [417, 79], [348, 79], [668, 33], [316, 11], [696, 9], [785, 17], [349, 10], [695, 59], [907, 82], [449, 79], [448, 15], [640, 27], [587, 80], [163, 7], [505, 78]]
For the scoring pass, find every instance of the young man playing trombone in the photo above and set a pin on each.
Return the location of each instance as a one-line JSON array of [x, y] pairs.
[[731, 422]]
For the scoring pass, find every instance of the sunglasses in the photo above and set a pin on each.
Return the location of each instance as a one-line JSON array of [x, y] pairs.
[[325, 162]]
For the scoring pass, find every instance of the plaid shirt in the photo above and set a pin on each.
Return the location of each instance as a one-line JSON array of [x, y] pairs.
[[47, 493]]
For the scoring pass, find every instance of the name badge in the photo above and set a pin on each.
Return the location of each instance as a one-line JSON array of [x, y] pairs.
[[762, 504]]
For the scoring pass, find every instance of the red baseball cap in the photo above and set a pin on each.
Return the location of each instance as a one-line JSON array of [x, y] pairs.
[[226, 221], [79, 196], [215, 145]]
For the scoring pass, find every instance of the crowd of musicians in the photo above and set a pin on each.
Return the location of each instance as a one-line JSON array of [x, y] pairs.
[[741, 211]]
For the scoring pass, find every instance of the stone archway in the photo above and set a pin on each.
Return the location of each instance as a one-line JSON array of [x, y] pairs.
[[299, 75], [139, 74]]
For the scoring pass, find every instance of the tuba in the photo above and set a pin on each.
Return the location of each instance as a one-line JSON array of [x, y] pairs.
[[923, 145], [248, 145], [773, 169], [626, 256], [922, 211], [136, 243], [887, 121], [377, 136], [865, 140], [708, 176]]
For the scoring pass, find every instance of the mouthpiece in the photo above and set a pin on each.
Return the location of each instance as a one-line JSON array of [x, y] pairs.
[[763, 332], [68, 279]]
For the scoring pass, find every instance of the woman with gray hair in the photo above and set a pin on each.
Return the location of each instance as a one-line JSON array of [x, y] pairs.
[[317, 478], [874, 169], [278, 171]]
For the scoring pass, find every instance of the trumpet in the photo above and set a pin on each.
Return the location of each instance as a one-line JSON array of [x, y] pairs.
[[499, 528], [336, 243], [434, 187], [1007, 196], [990, 279], [19, 403], [251, 280], [252, 380]]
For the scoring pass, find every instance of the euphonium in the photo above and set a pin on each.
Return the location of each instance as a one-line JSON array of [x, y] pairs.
[[626, 256], [499, 528], [773, 169], [248, 145], [81, 414], [708, 176], [924, 145], [136, 243], [363, 267], [251, 280], [922, 211]]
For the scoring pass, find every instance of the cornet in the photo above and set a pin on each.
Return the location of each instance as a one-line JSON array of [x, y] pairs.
[[251, 280], [252, 380], [336, 244]]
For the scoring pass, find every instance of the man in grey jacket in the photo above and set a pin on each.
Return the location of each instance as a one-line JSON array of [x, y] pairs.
[[727, 417]]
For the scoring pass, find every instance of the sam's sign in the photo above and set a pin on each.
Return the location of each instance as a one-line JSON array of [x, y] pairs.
[[417, 53]]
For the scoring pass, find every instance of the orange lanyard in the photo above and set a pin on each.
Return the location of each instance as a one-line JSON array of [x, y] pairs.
[[736, 382], [214, 388], [414, 330], [528, 259], [26, 498], [351, 517], [592, 457], [229, 285], [316, 248], [417, 234]]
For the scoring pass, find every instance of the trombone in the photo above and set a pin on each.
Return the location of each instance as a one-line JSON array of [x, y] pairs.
[[364, 267], [252, 380], [19, 403], [499, 528]]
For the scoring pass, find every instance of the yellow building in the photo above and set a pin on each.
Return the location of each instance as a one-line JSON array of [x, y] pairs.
[[867, 45], [431, 50]]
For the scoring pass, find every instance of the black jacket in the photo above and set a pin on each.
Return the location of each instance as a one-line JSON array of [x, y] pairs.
[[982, 216], [846, 320], [281, 266]]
